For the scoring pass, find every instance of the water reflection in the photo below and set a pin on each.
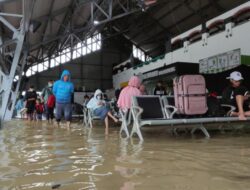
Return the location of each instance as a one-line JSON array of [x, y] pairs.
[[128, 163], [45, 157]]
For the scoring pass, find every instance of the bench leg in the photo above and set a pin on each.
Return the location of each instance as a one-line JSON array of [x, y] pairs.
[[129, 117], [124, 127], [136, 129], [203, 129], [85, 120], [125, 123], [175, 132], [90, 122]]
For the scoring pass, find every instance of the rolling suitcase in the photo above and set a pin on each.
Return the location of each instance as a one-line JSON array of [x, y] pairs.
[[190, 94]]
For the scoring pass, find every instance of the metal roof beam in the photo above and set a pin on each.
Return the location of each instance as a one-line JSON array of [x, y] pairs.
[[158, 19], [49, 16], [52, 15], [8, 25], [170, 27], [11, 15], [86, 28]]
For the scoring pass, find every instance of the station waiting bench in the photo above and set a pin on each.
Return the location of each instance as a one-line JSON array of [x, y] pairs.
[[89, 116], [150, 110]]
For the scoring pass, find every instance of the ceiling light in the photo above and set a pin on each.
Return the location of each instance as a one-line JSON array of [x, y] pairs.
[[96, 22]]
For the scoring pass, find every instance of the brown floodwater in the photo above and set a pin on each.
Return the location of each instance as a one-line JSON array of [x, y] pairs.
[[41, 157]]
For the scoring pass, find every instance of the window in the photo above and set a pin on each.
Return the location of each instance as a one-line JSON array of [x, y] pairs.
[[40, 67], [63, 58], [52, 63], [79, 45], [87, 46], [58, 60], [94, 46], [46, 64], [34, 69], [84, 50], [28, 72], [98, 45], [89, 40], [139, 54], [74, 54]]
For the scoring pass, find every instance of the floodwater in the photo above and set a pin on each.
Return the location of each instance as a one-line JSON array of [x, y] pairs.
[[41, 157]]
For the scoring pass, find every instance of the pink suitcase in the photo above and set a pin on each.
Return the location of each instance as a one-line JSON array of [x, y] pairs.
[[190, 94]]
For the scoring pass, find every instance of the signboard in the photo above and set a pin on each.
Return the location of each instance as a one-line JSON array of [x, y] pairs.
[[158, 73], [220, 62]]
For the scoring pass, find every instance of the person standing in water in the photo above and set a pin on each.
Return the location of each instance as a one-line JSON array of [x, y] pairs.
[[63, 90], [30, 98], [46, 93]]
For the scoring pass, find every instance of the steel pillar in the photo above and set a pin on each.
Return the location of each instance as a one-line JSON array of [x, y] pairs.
[[15, 92], [8, 93], [8, 97]]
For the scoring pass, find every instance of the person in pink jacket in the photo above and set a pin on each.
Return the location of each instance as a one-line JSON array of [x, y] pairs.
[[125, 98]]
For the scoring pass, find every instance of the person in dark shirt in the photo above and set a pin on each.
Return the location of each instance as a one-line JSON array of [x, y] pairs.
[[30, 98], [237, 95], [159, 89], [143, 90]]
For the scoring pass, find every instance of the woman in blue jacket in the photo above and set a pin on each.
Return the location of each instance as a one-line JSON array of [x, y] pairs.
[[63, 90]]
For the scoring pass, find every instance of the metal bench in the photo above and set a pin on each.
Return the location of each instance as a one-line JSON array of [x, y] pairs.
[[149, 110], [90, 117], [125, 121]]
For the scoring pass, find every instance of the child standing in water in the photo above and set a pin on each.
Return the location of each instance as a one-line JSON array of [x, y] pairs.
[[39, 110]]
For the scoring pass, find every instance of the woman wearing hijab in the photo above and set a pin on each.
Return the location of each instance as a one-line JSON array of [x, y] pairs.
[[100, 109], [125, 98]]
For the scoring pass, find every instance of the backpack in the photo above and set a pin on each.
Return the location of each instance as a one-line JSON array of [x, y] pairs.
[[51, 101], [214, 107]]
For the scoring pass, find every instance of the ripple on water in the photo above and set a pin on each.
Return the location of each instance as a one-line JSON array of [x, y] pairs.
[[43, 157]]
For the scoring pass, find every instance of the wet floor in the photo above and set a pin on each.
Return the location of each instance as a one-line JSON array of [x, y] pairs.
[[41, 157]]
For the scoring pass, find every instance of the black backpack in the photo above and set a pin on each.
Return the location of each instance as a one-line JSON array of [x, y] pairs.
[[214, 107]]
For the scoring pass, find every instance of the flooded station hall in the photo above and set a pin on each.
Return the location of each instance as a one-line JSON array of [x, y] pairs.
[[124, 95]]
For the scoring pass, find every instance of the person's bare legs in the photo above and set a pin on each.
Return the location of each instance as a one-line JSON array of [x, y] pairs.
[[68, 124], [30, 117], [247, 113], [112, 117], [106, 121], [240, 102], [58, 123]]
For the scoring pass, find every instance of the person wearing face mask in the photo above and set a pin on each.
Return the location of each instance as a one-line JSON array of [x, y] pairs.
[[46, 92], [30, 98], [100, 109]]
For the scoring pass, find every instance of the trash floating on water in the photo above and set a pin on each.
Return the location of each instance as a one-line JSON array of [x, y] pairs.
[[56, 186]]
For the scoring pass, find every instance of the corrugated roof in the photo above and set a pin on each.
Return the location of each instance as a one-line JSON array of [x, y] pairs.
[[148, 30]]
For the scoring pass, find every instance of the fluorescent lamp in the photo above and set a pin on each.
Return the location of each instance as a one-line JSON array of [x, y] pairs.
[[96, 22]]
